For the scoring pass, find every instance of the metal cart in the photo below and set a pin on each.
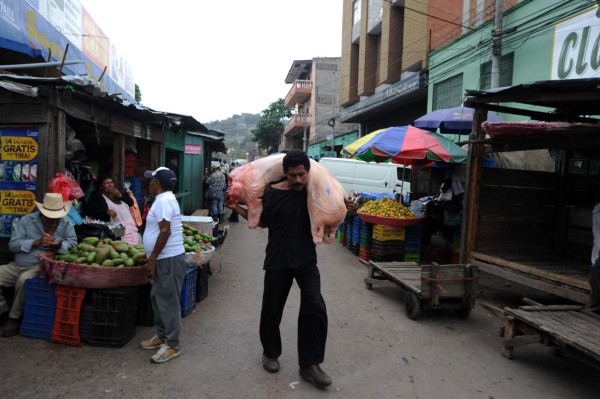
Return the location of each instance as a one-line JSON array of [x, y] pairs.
[[428, 286]]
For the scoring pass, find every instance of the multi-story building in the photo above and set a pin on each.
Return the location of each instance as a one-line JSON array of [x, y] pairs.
[[385, 48], [315, 126]]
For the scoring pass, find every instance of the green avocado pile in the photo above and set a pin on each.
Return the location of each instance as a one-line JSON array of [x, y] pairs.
[[95, 252], [195, 240]]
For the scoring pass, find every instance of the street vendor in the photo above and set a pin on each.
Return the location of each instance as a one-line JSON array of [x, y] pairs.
[[46, 230]]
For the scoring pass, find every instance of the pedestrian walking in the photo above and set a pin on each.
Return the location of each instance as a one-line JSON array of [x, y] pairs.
[[163, 243], [291, 255]]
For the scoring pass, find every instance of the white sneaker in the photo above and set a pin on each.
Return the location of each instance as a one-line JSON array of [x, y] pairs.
[[165, 353]]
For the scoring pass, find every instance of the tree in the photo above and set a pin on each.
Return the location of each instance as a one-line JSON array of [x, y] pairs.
[[270, 125], [138, 93]]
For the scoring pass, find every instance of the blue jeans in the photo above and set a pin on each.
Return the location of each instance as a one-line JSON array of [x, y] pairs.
[[215, 197]]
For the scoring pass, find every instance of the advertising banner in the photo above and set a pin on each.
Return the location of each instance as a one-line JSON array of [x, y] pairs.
[[18, 175]]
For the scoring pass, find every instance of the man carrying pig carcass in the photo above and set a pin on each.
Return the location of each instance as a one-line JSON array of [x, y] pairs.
[[291, 254]]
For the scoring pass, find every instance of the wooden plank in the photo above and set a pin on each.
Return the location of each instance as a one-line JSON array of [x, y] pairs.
[[550, 308], [564, 291], [520, 340], [510, 329], [518, 178], [584, 285]]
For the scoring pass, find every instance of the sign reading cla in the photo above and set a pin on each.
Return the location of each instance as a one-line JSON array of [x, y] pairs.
[[19, 148]]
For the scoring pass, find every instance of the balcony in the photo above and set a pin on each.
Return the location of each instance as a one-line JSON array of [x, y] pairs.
[[295, 126], [299, 93]]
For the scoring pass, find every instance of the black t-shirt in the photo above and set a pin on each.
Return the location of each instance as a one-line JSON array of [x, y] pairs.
[[285, 213]]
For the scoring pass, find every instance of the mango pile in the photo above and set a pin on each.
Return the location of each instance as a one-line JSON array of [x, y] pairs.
[[95, 252], [195, 240], [387, 207]]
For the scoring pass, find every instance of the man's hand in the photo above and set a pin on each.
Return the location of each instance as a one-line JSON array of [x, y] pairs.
[[229, 202], [151, 267], [350, 207]]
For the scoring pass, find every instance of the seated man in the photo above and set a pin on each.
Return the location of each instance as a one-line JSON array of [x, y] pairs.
[[217, 184], [47, 230]]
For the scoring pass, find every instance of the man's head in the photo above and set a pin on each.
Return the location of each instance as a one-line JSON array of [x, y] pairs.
[[215, 165], [53, 207], [163, 176], [296, 166]]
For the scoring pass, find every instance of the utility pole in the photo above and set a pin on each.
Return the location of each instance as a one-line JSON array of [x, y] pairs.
[[304, 138], [497, 43], [331, 122]]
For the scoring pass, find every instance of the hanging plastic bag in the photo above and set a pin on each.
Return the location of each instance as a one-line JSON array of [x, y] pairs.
[[69, 188], [135, 211]]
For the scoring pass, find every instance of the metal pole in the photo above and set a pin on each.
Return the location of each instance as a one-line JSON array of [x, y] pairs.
[[497, 44], [331, 122], [303, 116], [39, 64]]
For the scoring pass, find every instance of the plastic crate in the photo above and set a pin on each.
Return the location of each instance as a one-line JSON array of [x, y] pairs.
[[387, 247], [412, 258], [364, 254], [40, 309], [113, 322], [145, 313], [202, 283], [85, 320], [383, 233], [66, 318], [387, 258], [188, 291]]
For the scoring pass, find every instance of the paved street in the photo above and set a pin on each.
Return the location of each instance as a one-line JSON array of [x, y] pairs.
[[373, 350]]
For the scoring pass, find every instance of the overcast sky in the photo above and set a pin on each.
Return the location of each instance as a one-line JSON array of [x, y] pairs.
[[214, 59]]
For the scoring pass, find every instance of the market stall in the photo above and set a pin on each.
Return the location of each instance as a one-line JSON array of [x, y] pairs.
[[534, 226]]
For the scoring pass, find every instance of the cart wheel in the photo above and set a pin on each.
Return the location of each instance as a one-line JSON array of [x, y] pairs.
[[463, 313], [412, 305]]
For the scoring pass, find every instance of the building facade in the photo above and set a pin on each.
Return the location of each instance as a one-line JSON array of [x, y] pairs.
[[315, 125]]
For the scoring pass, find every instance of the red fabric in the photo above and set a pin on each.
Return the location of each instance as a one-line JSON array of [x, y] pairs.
[[69, 188], [135, 211]]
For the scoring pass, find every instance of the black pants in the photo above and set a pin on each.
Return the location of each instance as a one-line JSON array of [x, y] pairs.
[[312, 320]]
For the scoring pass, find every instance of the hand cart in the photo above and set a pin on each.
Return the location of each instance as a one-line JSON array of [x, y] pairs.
[[428, 286], [562, 328]]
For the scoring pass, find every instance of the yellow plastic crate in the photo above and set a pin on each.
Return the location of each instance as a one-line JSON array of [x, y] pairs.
[[382, 232]]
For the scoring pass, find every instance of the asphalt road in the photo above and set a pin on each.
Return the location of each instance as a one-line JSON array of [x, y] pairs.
[[373, 350]]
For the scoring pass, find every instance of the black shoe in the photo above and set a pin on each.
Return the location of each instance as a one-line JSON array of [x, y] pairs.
[[271, 365], [315, 376]]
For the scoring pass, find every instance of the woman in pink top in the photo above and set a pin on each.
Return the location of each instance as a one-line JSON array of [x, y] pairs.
[[109, 204]]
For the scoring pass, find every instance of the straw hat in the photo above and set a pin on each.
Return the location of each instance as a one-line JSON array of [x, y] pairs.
[[53, 206]]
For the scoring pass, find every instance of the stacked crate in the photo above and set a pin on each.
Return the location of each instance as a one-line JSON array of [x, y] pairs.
[[187, 300], [356, 224], [40, 309], [348, 243], [364, 249], [66, 318], [388, 243], [114, 316], [412, 252]]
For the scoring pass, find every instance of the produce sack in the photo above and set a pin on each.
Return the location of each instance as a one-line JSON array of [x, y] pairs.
[[326, 205], [69, 188]]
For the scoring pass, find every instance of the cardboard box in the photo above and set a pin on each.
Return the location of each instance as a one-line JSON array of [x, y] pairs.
[[204, 223]]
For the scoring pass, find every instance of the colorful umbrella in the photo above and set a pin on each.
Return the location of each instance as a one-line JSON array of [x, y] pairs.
[[403, 145], [458, 120]]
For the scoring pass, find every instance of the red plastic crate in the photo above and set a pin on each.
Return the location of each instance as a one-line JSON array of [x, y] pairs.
[[364, 254], [66, 319]]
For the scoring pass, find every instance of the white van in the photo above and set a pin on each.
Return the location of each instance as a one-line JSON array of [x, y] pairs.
[[369, 177]]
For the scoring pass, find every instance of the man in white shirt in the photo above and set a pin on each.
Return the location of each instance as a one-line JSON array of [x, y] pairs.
[[163, 244]]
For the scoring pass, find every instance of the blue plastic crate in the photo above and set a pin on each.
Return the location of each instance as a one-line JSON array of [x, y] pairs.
[[40, 308], [188, 291]]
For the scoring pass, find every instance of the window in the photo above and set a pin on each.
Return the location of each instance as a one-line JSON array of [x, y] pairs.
[[327, 100], [356, 12], [448, 93], [403, 173], [506, 72], [327, 67]]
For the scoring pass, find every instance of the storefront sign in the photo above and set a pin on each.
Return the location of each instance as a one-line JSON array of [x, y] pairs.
[[18, 175], [195, 149], [577, 47]]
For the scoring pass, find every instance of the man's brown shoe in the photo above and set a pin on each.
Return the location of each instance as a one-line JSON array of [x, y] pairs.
[[315, 376], [271, 365], [11, 327]]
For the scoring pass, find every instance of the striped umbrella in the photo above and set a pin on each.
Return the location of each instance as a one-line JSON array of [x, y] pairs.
[[404, 145]]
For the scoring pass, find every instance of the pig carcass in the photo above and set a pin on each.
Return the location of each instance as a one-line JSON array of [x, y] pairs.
[[247, 184], [325, 194]]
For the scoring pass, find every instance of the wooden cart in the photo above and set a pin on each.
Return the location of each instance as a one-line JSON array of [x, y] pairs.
[[428, 286], [563, 328]]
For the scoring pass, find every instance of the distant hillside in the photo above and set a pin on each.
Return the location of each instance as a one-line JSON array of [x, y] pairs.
[[237, 133]]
